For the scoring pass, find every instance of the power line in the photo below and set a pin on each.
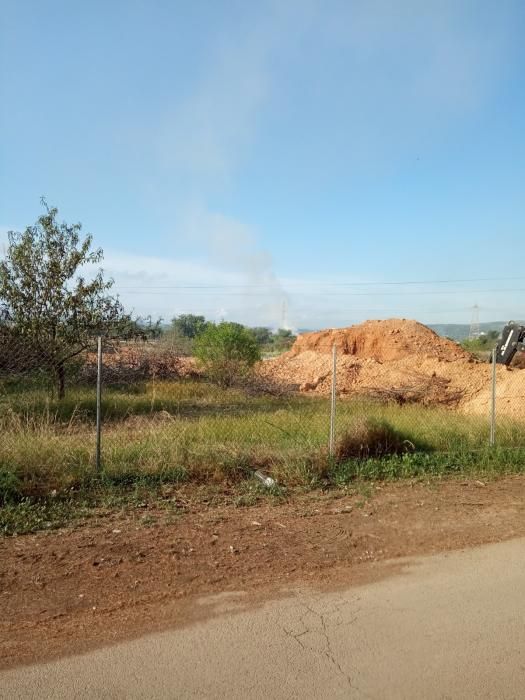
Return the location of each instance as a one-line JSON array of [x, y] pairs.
[[146, 290], [323, 284]]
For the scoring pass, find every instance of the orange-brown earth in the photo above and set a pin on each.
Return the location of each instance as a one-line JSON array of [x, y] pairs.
[[123, 574], [396, 359], [399, 358]]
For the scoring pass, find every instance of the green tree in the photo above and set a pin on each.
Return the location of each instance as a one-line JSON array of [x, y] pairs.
[[262, 335], [142, 329], [227, 352], [189, 325], [483, 343], [48, 306], [284, 339]]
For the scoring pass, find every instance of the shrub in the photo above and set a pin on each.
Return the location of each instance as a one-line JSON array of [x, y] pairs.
[[368, 438], [227, 352], [10, 486]]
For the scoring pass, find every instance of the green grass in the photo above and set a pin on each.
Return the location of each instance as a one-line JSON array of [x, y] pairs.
[[142, 398], [481, 463], [173, 432], [28, 515]]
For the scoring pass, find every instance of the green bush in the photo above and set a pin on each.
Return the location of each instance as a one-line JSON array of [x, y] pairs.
[[10, 486], [227, 352]]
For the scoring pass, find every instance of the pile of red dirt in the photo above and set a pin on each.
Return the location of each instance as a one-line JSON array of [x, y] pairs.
[[383, 341], [396, 359], [510, 394]]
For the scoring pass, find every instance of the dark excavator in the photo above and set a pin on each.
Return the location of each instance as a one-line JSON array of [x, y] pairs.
[[512, 341]]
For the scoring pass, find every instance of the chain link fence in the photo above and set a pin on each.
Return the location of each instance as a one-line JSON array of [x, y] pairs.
[[159, 414], [143, 408], [430, 415], [47, 417]]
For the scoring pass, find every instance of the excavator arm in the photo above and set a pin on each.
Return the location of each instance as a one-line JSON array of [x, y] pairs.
[[512, 341]]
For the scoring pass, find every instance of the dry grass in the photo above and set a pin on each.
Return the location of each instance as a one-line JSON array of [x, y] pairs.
[[189, 430], [371, 438]]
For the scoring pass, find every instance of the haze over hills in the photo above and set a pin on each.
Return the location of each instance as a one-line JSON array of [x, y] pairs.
[[460, 331]]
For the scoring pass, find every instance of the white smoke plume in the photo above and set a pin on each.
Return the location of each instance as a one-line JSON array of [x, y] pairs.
[[233, 247]]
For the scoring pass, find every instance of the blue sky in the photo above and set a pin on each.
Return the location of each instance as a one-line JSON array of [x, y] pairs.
[[232, 157]]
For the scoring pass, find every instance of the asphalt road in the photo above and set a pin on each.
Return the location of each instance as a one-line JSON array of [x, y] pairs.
[[449, 626]]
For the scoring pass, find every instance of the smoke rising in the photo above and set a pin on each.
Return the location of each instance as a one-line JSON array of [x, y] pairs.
[[233, 247]]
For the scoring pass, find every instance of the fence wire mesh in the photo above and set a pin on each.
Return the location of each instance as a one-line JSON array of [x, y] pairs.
[[159, 414], [47, 415]]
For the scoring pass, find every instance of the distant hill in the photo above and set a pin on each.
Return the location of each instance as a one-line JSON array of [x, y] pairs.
[[460, 331]]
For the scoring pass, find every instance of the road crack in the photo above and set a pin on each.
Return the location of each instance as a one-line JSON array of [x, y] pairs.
[[323, 626]]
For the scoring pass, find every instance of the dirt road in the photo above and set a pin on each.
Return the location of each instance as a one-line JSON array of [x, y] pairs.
[[447, 626], [124, 575]]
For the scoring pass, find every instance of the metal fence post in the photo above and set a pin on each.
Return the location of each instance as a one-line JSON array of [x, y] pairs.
[[99, 400], [493, 402], [333, 402]]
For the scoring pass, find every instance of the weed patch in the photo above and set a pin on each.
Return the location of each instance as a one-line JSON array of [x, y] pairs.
[[167, 434], [28, 515], [371, 438]]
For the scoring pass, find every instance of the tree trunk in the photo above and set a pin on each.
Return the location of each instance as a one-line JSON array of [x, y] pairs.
[[61, 380]]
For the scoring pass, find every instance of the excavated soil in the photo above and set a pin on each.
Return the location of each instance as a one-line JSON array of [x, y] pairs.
[[382, 341], [400, 360], [510, 395]]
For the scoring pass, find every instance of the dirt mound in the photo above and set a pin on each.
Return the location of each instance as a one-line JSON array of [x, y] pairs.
[[383, 341], [396, 359], [510, 394]]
